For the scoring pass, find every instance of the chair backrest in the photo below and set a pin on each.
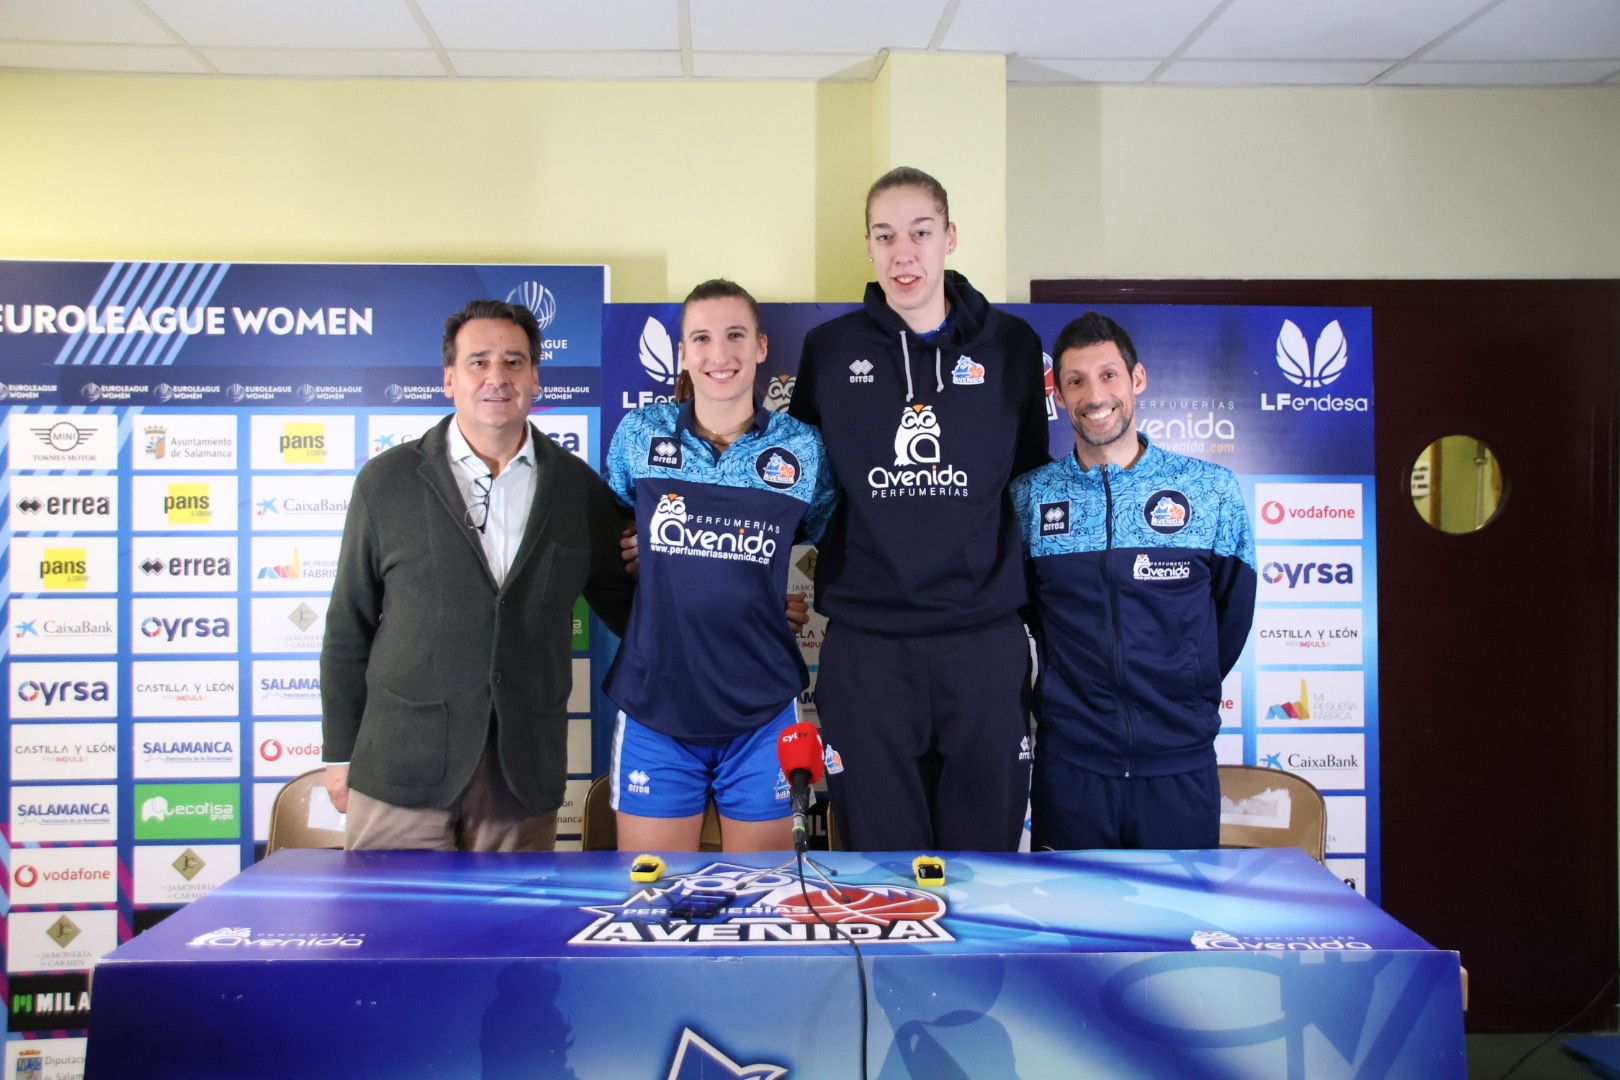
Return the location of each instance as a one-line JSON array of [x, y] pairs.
[[600, 828], [303, 815], [1271, 808]]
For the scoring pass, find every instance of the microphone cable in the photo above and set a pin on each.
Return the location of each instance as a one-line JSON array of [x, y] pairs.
[[860, 964]]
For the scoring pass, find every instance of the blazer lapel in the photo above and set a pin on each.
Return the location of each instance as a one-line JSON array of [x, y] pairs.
[[434, 469]]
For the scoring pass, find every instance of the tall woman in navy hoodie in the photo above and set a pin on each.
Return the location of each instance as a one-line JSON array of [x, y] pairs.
[[930, 401]]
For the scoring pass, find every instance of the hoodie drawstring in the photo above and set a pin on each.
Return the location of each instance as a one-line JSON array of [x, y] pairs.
[[906, 354], [939, 362]]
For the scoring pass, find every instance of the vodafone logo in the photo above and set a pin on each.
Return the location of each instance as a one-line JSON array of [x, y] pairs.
[[1309, 511], [270, 750], [275, 750], [26, 876]]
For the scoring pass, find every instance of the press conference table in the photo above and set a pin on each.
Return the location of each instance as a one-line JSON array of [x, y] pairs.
[[422, 964]]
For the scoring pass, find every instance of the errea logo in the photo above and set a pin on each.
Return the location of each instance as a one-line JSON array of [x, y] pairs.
[[1054, 518], [861, 371]]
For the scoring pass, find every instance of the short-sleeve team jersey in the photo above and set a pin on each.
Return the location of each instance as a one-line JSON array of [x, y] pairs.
[[708, 654]]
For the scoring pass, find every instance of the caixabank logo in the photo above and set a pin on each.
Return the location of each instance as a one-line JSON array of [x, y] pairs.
[[1313, 371], [730, 904]]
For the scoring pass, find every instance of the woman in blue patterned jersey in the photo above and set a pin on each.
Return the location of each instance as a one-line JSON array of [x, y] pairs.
[[710, 671]]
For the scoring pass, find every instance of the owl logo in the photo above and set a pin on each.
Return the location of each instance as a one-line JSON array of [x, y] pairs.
[[779, 392], [916, 440], [671, 507]]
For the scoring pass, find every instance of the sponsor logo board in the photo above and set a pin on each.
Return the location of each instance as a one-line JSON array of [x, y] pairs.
[[386, 431], [1331, 762], [58, 565], [294, 563], [186, 564], [1308, 636], [64, 503], [286, 747], [571, 431], [70, 875], [1346, 824], [48, 1003], [1353, 872], [64, 813], [59, 940], [64, 752], [321, 442], [183, 503], [289, 624], [286, 688], [1311, 698], [177, 625], [182, 441], [1313, 574], [64, 441], [185, 688], [297, 503], [1308, 511], [180, 873], [188, 811], [52, 690], [187, 749], [61, 626], [59, 1059]]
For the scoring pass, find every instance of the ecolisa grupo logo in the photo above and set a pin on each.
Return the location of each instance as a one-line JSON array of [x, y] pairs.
[[1312, 370], [674, 530], [740, 905], [656, 352], [919, 468], [187, 811]]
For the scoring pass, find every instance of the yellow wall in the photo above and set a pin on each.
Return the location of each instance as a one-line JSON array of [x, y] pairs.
[[1308, 183], [668, 183], [671, 182]]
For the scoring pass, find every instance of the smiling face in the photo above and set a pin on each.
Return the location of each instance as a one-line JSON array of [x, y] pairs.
[[1098, 392], [493, 381], [721, 350], [908, 238]]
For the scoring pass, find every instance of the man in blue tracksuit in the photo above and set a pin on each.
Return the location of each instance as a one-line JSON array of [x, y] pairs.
[[1145, 580]]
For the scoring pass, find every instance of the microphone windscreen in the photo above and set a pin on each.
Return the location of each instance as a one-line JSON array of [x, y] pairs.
[[799, 747]]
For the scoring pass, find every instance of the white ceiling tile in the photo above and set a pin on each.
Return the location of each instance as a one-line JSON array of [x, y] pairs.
[[1033, 70], [112, 22], [1094, 29], [554, 25], [293, 24], [328, 63], [166, 59], [844, 67], [1538, 30], [826, 26], [1328, 29], [575, 64], [1506, 73], [1273, 72]]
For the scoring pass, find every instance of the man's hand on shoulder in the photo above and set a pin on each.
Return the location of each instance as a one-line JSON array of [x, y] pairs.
[[629, 549]]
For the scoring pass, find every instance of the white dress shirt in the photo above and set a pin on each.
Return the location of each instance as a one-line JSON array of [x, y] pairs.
[[511, 497]]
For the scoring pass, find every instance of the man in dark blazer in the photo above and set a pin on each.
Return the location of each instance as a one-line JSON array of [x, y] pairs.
[[446, 667]]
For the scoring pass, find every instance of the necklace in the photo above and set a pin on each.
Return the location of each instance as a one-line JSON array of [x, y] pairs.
[[725, 437]]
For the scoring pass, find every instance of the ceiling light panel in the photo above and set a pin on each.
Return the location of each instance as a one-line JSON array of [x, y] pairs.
[[111, 22], [1327, 29], [1094, 29], [1538, 30], [554, 25], [292, 24], [827, 26]]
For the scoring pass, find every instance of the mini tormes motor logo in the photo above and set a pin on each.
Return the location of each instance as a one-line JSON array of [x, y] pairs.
[[919, 469], [675, 531], [726, 903]]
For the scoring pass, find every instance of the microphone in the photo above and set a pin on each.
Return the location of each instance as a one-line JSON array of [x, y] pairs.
[[798, 750]]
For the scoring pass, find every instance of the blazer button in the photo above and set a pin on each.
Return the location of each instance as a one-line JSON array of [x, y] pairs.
[[497, 676]]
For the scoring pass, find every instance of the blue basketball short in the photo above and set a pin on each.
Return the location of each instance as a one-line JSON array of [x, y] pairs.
[[657, 776]]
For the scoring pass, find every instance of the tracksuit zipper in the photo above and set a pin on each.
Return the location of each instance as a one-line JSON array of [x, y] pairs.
[[1113, 614]]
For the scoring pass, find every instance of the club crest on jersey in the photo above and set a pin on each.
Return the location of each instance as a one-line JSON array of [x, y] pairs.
[[967, 373], [1167, 511], [779, 392], [664, 452], [1055, 518], [777, 467], [740, 905]]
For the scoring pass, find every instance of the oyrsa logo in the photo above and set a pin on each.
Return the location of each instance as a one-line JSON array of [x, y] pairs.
[[1312, 370], [739, 905]]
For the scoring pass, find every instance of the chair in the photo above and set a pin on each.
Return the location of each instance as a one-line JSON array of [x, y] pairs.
[[297, 814], [1271, 808], [600, 828]]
